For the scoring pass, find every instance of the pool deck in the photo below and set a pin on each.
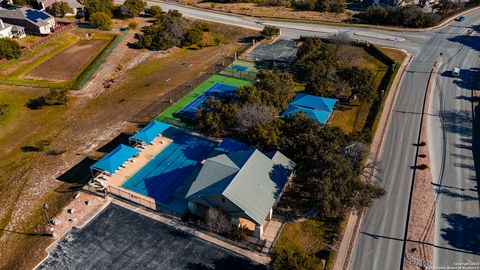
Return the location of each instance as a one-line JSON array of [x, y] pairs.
[[144, 156]]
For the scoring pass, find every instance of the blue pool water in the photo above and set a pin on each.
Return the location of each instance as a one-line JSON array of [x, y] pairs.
[[161, 176]]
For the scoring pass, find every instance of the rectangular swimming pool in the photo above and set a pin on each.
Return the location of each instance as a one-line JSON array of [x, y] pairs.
[[161, 176]]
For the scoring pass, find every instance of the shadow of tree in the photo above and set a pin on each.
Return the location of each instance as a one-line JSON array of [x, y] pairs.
[[470, 41], [463, 232]]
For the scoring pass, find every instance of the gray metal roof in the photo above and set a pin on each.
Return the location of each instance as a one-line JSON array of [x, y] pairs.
[[249, 179], [32, 15]]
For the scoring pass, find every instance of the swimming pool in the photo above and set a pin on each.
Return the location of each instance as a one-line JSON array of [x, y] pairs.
[[161, 176]]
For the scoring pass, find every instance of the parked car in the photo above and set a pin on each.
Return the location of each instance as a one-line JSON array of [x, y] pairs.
[[456, 72], [460, 19]]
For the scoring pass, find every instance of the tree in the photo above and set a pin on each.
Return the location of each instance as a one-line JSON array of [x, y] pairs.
[[337, 6], [133, 7], [59, 9], [442, 7], [94, 6], [250, 115], [156, 11], [270, 31], [169, 30], [360, 81], [279, 85], [101, 20], [9, 49], [218, 221], [265, 136], [55, 96], [21, 3]]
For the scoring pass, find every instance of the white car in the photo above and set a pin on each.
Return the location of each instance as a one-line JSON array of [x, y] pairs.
[[456, 72]]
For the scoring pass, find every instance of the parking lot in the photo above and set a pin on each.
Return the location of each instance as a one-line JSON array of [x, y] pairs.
[[121, 239]]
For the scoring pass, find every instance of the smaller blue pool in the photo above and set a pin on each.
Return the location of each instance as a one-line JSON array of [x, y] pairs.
[[161, 176], [239, 68]]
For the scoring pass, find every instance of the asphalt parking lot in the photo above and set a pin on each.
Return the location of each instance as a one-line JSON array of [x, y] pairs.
[[121, 239]]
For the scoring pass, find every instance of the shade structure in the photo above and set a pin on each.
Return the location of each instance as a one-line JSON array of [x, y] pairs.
[[314, 102], [113, 160], [315, 107], [229, 145], [150, 131]]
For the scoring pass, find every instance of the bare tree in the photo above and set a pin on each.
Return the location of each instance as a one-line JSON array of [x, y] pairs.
[[218, 221], [250, 115]]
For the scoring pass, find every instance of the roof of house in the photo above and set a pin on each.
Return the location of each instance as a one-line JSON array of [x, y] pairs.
[[113, 160], [5, 25], [150, 131], [315, 107], [249, 179], [74, 4], [32, 15]]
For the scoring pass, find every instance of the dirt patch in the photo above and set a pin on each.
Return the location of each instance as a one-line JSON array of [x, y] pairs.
[[419, 247], [65, 65], [256, 10]]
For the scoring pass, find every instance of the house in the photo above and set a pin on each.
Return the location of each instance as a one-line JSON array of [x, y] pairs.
[[11, 31], [315, 107], [246, 185], [33, 21], [74, 4]]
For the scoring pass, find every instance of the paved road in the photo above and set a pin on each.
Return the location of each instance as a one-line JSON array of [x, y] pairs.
[[457, 223], [382, 233]]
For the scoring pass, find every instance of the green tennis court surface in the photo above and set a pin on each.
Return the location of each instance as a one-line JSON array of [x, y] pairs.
[[169, 114], [241, 69]]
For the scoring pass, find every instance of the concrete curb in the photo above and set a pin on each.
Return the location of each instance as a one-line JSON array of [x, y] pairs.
[[347, 244]]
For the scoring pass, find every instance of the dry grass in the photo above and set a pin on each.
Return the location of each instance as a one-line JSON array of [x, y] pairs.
[[256, 10]]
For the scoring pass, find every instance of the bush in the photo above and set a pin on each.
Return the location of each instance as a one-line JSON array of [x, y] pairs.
[[270, 31], [54, 97], [37, 146], [101, 20], [4, 108], [9, 49], [238, 233], [132, 25]]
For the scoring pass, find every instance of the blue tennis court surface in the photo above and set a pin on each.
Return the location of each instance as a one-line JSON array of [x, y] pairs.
[[161, 176], [217, 90], [239, 67]]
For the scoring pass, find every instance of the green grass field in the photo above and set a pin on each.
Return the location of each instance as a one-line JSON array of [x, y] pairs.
[[169, 114], [248, 74]]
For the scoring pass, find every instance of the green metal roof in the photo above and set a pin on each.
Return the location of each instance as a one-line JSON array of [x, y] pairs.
[[249, 179]]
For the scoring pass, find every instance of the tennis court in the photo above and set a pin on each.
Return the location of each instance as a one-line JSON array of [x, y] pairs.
[[169, 114], [217, 90], [161, 176], [241, 69]]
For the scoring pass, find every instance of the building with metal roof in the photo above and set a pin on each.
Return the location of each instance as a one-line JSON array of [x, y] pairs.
[[246, 185], [315, 107], [34, 21]]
